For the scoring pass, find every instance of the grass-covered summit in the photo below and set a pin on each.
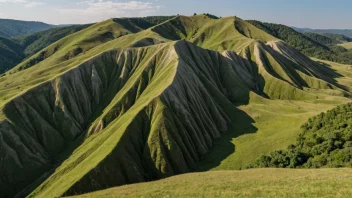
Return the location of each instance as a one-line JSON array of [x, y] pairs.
[[131, 100]]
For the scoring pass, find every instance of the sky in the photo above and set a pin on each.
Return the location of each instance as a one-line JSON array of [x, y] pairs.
[[318, 14]]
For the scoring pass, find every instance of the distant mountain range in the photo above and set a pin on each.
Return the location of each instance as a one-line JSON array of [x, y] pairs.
[[10, 28], [13, 28], [345, 32]]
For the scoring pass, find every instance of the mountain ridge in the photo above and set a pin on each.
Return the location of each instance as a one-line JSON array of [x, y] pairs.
[[137, 104], [13, 28]]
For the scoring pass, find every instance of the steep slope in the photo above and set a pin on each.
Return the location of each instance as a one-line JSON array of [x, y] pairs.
[[35, 42], [147, 102], [11, 53], [78, 43], [116, 103], [237, 35], [308, 46], [229, 33], [40, 40], [14, 28], [16, 50]]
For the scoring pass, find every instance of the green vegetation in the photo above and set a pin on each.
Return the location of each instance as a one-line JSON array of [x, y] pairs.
[[38, 41], [11, 54], [127, 100], [325, 141], [147, 22], [14, 51], [339, 37], [344, 32], [14, 28], [308, 44], [247, 183], [326, 40]]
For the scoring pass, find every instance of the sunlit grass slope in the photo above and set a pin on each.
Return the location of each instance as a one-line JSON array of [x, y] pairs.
[[346, 45], [117, 103], [248, 183]]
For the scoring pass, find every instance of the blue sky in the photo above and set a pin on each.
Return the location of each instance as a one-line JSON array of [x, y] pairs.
[[299, 13]]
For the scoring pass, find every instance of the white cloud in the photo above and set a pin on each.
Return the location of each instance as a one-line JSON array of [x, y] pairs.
[[98, 10], [25, 3], [33, 4]]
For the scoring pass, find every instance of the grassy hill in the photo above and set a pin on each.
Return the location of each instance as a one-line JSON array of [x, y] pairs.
[[38, 41], [247, 183], [128, 100], [11, 53], [13, 28], [311, 44], [15, 50], [347, 45], [324, 141], [30, 44]]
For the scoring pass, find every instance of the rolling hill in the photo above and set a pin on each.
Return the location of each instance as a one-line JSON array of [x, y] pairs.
[[13, 28], [325, 141], [127, 100], [11, 53], [339, 37], [346, 32], [30, 44], [247, 183], [311, 44], [325, 39], [15, 50]]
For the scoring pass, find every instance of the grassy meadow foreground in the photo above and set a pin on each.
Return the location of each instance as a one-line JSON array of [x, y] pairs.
[[245, 183]]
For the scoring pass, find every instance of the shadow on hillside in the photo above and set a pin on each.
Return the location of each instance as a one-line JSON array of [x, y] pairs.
[[241, 123], [333, 74], [223, 147]]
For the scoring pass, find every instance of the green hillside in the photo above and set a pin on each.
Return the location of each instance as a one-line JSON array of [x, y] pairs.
[[38, 41], [324, 141], [345, 32], [34, 42], [248, 183], [13, 28], [323, 39], [11, 53], [339, 37], [132, 100], [310, 44], [15, 50]]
